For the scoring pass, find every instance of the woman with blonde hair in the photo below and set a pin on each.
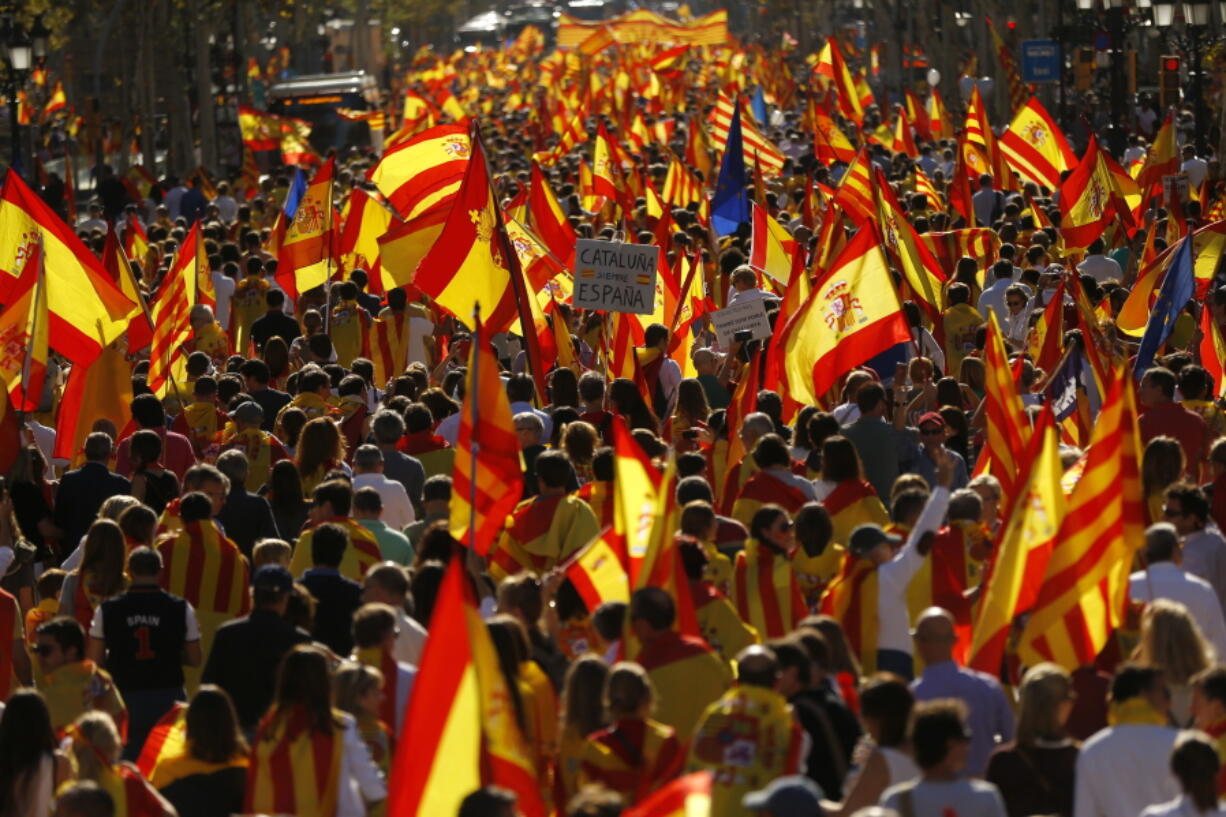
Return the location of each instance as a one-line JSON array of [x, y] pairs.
[[95, 748], [1172, 641], [580, 441], [1161, 467], [582, 714], [1035, 772], [359, 691], [321, 449], [634, 755]]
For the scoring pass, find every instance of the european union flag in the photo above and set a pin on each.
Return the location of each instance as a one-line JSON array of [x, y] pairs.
[[1177, 289], [730, 205]]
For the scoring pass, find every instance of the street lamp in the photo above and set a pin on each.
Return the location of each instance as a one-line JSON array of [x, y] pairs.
[[1085, 5], [1164, 14], [18, 54], [40, 37], [1196, 13]]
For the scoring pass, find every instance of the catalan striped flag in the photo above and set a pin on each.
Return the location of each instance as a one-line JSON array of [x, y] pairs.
[[1018, 93], [495, 480], [167, 739], [1008, 432], [765, 588], [830, 63], [682, 188], [1084, 591], [1031, 532], [295, 767], [1035, 147], [23, 337], [757, 147], [854, 194], [1046, 342], [360, 556], [202, 565], [389, 345], [851, 599], [925, 187], [978, 131], [181, 289], [460, 731]]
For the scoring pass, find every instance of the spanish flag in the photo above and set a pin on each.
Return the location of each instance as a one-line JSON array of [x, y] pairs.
[[1035, 147], [688, 796], [57, 101], [854, 194], [488, 465], [1020, 561], [87, 310], [1084, 592], [1213, 350], [938, 117], [853, 503], [260, 130], [830, 63], [851, 315], [599, 571], [365, 219], [772, 246], [1008, 66], [23, 336], [921, 271], [468, 268], [979, 132], [425, 170], [830, 144], [547, 220], [99, 389], [460, 731], [1161, 160], [307, 253], [1090, 199]]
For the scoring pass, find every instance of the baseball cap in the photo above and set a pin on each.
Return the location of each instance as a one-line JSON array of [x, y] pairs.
[[866, 537], [248, 411], [930, 417], [273, 577], [789, 796]]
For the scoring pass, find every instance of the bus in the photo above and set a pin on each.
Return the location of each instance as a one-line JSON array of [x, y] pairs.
[[315, 98]]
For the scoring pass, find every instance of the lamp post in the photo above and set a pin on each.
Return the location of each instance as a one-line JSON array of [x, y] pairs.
[[1186, 25], [18, 54]]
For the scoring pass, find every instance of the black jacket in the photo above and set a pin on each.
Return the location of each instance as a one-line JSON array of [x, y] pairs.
[[244, 659], [81, 494]]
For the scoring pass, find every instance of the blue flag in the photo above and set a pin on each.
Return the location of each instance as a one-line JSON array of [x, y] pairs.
[[730, 205], [1065, 384], [758, 105], [1177, 289], [297, 189]]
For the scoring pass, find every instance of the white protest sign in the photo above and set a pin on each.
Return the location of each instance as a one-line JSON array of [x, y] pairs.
[[745, 316], [615, 277], [1176, 183]]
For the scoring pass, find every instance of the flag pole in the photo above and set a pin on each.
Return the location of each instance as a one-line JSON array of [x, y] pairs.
[[28, 363], [473, 445], [328, 265]]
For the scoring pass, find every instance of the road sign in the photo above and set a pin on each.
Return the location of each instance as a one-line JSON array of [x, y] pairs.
[[615, 277], [1040, 61]]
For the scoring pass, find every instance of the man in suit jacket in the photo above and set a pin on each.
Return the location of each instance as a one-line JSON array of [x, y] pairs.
[[82, 491], [246, 517]]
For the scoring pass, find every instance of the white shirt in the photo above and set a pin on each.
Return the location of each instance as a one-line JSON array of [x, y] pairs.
[[449, 427], [1101, 268], [744, 295], [1197, 169], [893, 619], [361, 780], [1181, 806], [1123, 769], [227, 208], [670, 381], [928, 347], [223, 288], [1204, 555], [411, 641], [397, 509], [44, 438], [1132, 154], [420, 330], [1166, 580], [994, 298], [90, 224], [929, 798]]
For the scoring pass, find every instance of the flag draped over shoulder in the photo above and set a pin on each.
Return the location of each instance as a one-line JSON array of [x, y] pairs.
[[1084, 592], [460, 730], [1021, 560], [852, 314], [487, 462]]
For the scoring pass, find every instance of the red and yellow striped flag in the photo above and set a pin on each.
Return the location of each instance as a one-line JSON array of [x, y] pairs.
[[460, 731], [938, 117], [1091, 199], [307, 252], [772, 246], [23, 336], [1084, 592], [759, 150], [181, 289], [1213, 350], [1008, 433], [364, 220], [547, 220], [1161, 160], [921, 271], [424, 171], [688, 796], [979, 132], [1019, 563], [495, 480], [854, 194], [295, 769]]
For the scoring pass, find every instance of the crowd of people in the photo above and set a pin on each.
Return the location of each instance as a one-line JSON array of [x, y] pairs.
[[223, 607]]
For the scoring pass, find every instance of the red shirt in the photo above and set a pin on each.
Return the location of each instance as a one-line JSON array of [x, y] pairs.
[[177, 454], [1188, 427]]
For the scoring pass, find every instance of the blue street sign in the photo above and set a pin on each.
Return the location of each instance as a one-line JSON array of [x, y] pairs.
[[1040, 61]]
